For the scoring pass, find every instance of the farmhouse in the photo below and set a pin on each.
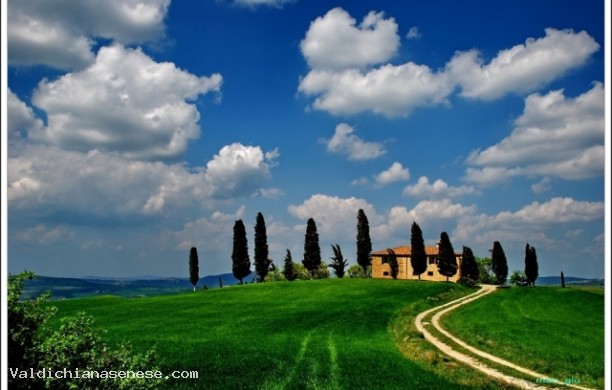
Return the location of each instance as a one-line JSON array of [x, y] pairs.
[[380, 264]]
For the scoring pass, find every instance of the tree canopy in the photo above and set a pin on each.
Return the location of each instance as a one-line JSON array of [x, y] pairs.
[[447, 262], [531, 265], [194, 267], [364, 244], [418, 257], [499, 264], [261, 260], [241, 262], [469, 268], [312, 251]]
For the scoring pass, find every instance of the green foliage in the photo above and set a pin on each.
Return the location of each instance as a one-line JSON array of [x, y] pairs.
[[194, 267], [393, 264], [469, 268], [499, 264], [241, 262], [485, 275], [517, 277], [312, 251], [356, 271], [364, 244], [447, 262], [289, 270], [262, 263], [467, 282], [418, 257], [275, 275], [73, 345], [338, 262], [531, 265], [301, 272]]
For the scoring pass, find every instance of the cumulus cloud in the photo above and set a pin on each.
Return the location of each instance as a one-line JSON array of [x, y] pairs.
[[396, 172], [62, 35], [423, 188], [271, 3], [46, 179], [413, 33], [556, 137], [344, 141], [524, 67], [21, 118], [332, 214], [350, 70], [124, 102], [335, 41]]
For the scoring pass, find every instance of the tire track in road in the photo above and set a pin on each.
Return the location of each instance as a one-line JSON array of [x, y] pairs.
[[472, 361]]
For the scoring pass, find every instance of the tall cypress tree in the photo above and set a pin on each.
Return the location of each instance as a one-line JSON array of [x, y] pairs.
[[499, 264], [447, 262], [262, 263], [364, 244], [469, 267], [241, 263], [312, 251], [418, 257], [289, 271], [194, 267], [393, 264], [531, 265]]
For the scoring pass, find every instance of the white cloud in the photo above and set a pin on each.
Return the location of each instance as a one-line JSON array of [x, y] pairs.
[[439, 188], [47, 180], [555, 137], [524, 67], [542, 186], [345, 79], [413, 33], [388, 90], [21, 118], [271, 3], [62, 35], [347, 143], [43, 234], [396, 172], [333, 215], [124, 102], [334, 41]]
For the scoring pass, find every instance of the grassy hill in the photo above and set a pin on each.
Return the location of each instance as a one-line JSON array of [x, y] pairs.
[[333, 334], [555, 331]]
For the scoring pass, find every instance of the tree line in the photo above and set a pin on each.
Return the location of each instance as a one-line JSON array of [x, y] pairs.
[[472, 269]]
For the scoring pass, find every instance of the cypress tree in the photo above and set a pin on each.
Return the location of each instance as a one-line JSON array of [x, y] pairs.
[[364, 244], [241, 263], [262, 263], [289, 271], [469, 268], [338, 262], [447, 262], [312, 251], [393, 264], [531, 265], [194, 267], [499, 264], [562, 280], [418, 257]]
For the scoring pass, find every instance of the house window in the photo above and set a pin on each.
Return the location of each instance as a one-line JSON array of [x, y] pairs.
[[429, 273], [432, 260], [386, 273]]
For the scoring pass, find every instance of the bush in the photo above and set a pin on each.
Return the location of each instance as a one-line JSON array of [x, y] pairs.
[[75, 345], [355, 271], [467, 282], [518, 278]]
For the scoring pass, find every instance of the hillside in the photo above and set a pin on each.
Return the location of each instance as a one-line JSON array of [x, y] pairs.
[[304, 334]]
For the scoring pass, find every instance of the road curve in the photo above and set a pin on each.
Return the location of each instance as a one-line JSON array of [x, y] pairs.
[[477, 363]]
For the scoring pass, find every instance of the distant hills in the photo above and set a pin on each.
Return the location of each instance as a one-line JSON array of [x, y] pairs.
[[146, 285], [62, 288]]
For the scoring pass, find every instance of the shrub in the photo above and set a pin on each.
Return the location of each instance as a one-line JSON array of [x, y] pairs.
[[74, 345], [467, 282]]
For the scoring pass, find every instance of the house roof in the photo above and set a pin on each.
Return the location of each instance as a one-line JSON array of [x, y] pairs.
[[406, 250]]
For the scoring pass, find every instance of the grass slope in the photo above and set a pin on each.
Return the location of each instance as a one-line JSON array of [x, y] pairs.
[[554, 331], [328, 334]]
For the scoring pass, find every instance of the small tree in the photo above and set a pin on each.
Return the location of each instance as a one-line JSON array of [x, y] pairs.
[[312, 251], [338, 262], [289, 270], [562, 280], [241, 262], [469, 268], [355, 271], [194, 267], [418, 257], [262, 263], [517, 278], [393, 264], [499, 264], [364, 244], [531, 265], [484, 270], [447, 262]]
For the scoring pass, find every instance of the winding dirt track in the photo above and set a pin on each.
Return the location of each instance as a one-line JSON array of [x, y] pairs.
[[483, 357]]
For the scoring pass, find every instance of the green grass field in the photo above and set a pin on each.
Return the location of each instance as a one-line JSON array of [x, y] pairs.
[[325, 334], [554, 331]]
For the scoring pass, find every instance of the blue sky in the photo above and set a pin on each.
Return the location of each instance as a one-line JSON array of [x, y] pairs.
[[139, 129]]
